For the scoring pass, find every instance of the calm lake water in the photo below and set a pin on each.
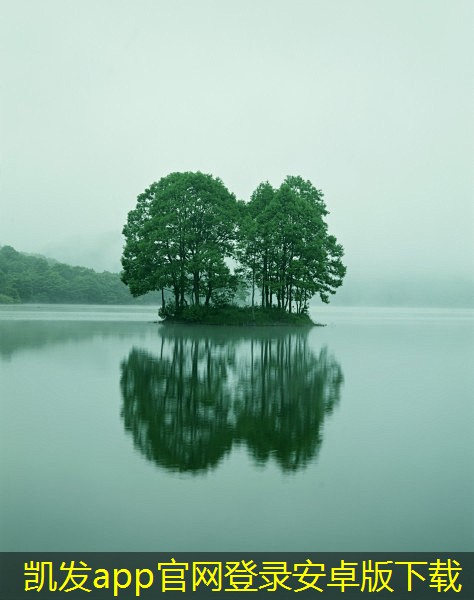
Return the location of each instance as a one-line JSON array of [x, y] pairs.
[[118, 434]]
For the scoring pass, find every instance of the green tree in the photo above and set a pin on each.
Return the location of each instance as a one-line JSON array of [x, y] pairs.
[[255, 240], [178, 237], [285, 247]]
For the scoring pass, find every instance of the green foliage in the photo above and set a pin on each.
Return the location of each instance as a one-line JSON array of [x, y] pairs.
[[4, 299], [185, 228], [285, 248], [25, 278], [177, 238]]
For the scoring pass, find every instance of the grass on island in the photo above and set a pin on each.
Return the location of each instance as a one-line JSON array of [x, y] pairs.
[[238, 315]]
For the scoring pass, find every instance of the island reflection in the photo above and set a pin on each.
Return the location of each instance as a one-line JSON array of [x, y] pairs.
[[203, 393]]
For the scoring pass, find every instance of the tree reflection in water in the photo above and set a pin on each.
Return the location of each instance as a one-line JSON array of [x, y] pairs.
[[187, 406]]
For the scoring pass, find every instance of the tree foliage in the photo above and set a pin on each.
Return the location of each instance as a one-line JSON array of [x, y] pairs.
[[285, 247], [187, 226], [177, 238]]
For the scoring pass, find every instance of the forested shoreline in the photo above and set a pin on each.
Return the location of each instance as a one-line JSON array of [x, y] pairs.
[[35, 279]]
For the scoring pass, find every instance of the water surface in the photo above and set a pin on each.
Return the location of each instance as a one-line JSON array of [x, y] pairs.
[[119, 434]]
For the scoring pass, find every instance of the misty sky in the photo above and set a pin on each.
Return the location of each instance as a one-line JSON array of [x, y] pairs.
[[371, 101]]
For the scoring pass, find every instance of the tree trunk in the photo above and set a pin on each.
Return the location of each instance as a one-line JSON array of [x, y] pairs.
[[253, 287], [208, 295], [196, 287]]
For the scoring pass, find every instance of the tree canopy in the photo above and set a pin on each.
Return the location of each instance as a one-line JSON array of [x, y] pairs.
[[188, 228], [285, 247], [178, 237]]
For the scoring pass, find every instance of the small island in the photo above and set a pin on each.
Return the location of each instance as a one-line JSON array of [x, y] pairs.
[[222, 261], [244, 316]]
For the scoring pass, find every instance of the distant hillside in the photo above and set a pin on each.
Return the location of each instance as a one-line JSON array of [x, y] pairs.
[[27, 278]]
